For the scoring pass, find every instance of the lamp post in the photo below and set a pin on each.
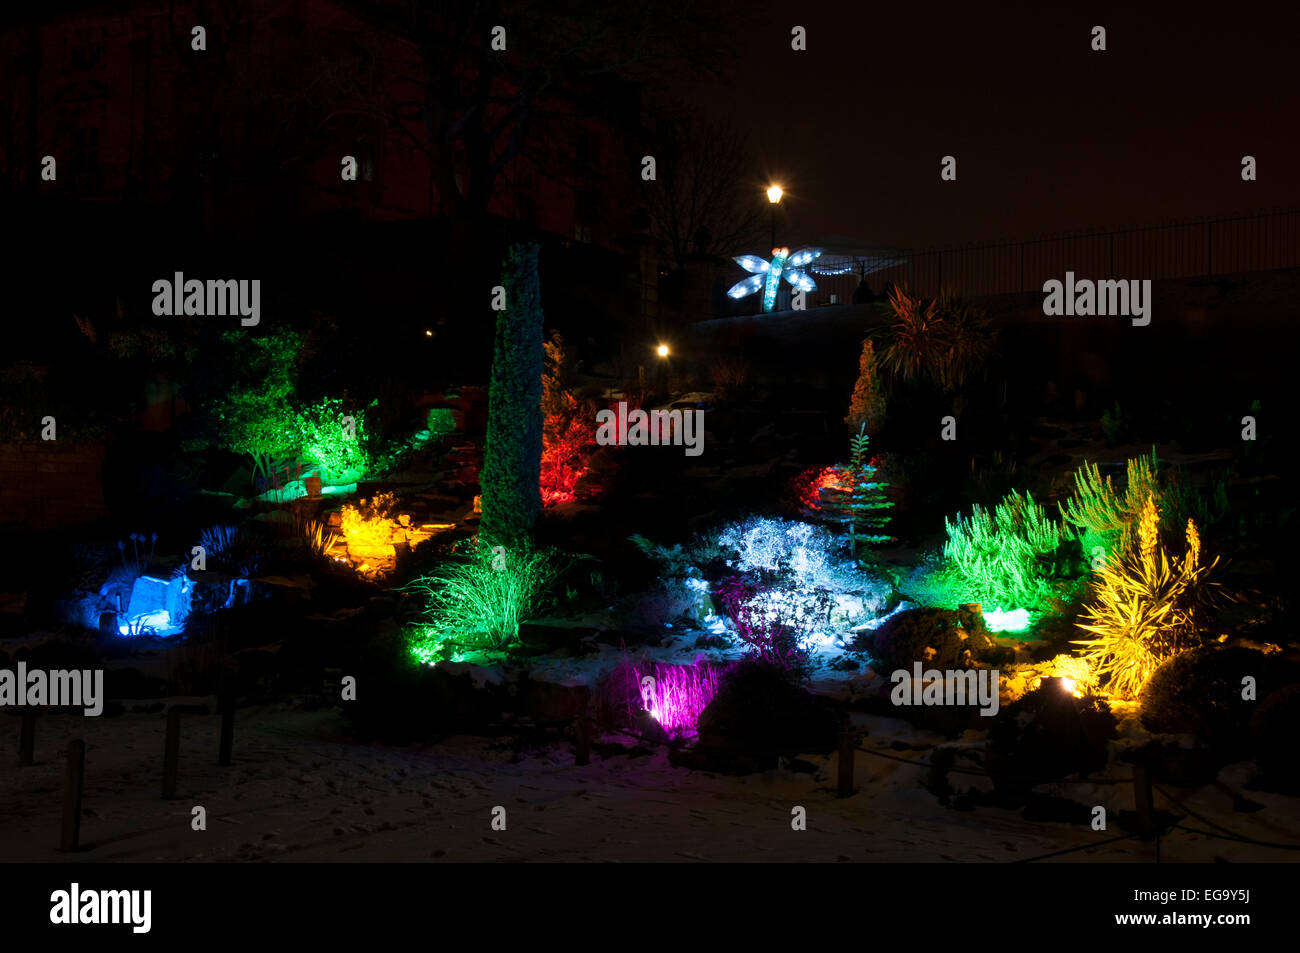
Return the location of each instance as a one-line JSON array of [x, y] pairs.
[[774, 194]]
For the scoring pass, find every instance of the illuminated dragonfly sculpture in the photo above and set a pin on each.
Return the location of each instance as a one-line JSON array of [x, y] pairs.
[[767, 275]]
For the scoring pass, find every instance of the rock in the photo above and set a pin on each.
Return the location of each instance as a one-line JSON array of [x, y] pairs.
[[760, 715], [940, 638], [1047, 734]]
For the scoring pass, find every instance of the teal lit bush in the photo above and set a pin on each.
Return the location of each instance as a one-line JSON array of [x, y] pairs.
[[478, 597]]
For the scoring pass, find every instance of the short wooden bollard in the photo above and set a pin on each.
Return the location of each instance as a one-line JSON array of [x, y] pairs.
[[73, 782], [171, 753], [27, 738], [227, 725], [582, 749], [1143, 801], [847, 745]]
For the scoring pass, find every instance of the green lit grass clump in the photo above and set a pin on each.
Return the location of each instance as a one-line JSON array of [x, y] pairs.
[[478, 598], [1003, 556]]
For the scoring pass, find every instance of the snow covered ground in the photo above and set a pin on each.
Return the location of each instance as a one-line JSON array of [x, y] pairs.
[[299, 790]]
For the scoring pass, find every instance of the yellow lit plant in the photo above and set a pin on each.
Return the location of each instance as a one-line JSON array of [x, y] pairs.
[[1144, 607], [370, 524]]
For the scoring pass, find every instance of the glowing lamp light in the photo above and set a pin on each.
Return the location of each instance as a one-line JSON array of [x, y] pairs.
[[1063, 682], [774, 194], [662, 350], [428, 333]]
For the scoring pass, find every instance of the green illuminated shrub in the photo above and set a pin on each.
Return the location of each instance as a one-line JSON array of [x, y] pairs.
[[253, 413], [441, 421], [332, 436], [1004, 557], [480, 596]]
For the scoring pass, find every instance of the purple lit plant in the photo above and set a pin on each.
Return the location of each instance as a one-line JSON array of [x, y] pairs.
[[777, 625], [674, 695]]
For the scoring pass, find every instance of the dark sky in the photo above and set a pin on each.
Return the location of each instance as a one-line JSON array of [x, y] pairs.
[[1049, 136]]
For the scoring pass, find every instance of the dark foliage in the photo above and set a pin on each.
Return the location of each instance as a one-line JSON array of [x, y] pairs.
[[1199, 692]]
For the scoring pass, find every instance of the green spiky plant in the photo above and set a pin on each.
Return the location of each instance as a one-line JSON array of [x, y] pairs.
[[867, 496], [329, 441], [512, 454], [1100, 512], [1003, 557], [1145, 609], [479, 597]]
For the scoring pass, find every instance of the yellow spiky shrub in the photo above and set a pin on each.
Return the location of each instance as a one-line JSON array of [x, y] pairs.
[[1144, 607]]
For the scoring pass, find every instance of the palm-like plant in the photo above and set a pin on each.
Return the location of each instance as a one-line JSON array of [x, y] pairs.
[[910, 348], [941, 340]]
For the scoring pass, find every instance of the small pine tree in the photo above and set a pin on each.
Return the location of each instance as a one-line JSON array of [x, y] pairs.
[[512, 453], [867, 406], [867, 495]]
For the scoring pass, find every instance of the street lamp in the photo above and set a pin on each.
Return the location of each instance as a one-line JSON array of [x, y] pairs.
[[774, 194]]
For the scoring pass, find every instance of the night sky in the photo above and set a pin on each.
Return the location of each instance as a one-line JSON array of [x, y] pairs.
[[1049, 136]]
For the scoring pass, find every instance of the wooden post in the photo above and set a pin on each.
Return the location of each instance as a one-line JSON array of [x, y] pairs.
[[171, 753], [582, 752], [1143, 802], [847, 745], [227, 703], [27, 738], [73, 782]]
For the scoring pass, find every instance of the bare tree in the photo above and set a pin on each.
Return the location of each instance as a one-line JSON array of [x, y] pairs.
[[473, 110], [705, 202]]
